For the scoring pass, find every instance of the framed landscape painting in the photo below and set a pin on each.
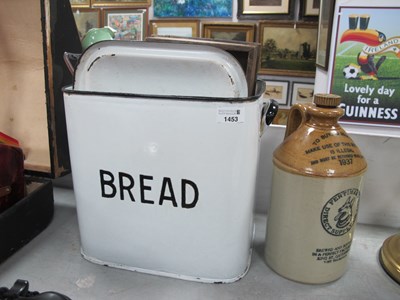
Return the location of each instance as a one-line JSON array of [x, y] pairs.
[[288, 49], [229, 31], [277, 90], [302, 92]]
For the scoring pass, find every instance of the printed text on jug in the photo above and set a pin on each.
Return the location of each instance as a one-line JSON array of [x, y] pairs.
[[341, 152], [331, 255]]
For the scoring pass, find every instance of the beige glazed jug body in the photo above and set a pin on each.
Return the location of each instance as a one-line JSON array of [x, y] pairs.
[[317, 181]]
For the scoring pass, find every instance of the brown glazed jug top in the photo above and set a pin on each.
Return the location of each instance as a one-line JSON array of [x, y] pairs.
[[315, 144]]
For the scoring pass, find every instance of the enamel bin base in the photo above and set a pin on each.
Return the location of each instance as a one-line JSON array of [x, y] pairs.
[[166, 185]]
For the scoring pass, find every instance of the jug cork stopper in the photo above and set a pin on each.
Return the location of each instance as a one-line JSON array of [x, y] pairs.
[[327, 100]]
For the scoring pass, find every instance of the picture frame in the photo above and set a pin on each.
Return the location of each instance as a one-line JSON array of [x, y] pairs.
[[277, 90], [192, 9], [130, 24], [244, 32], [281, 117], [288, 48], [263, 9], [311, 7], [325, 22], [80, 3], [182, 28], [86, 19], [358, 67], [121, 3], [302, 92]]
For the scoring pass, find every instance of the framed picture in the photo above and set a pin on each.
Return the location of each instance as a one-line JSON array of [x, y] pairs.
[[192, 9], [266, 9], [85, 19], [311, 7], [281, 117], [79, 3], [365, 72], [302, 92], [288, 49], [277, 90], [182, 28], [324, 33], [130, 24], [120, 3], [234, 31]]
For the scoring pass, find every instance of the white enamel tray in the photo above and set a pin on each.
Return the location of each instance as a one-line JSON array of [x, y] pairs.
[[160, 69]]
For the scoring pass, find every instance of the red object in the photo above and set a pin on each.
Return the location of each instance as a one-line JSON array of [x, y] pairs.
[[8, 140], [12, 181]]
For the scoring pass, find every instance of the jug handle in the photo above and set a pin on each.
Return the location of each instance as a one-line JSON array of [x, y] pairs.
[[297, 117]]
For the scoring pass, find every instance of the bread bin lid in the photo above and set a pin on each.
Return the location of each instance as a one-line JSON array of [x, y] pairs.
[[160, 69]]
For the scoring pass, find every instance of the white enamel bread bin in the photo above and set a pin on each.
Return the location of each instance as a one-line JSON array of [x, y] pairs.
[[165, 184]]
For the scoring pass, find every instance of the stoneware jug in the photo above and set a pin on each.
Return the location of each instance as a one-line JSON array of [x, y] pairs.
[[317, 181]]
